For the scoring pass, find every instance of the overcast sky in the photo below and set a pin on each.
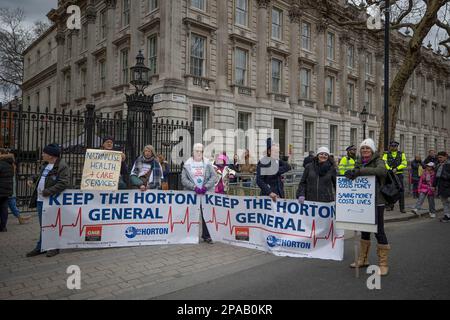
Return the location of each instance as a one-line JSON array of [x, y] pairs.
[[34, 9]]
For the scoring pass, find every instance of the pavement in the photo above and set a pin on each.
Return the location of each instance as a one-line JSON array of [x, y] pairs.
[[125, 273]]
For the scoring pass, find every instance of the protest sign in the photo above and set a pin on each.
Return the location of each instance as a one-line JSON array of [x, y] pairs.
[[355, 204], [284, 228], [101, 170], [96, 219]]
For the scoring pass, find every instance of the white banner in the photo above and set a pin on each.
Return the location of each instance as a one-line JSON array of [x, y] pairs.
[[284, 228], [355, 203], [98, 219]]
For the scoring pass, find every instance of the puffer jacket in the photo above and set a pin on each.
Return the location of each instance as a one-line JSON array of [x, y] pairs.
[[375, 167], [318, 183], [426, 183], [6, 175], [57, 180]]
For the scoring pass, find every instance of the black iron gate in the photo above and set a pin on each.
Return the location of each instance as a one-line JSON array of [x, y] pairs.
[[27, 132]]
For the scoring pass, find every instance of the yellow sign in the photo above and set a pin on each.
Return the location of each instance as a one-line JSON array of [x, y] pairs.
[[101, 170]]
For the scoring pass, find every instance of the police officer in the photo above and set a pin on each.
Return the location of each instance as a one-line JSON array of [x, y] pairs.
[[396, 162], [348, 162]]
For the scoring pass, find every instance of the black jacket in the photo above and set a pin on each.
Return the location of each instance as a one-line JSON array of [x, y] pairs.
[[271, 183], [375, 167], [6, 175], [57, 180], [431, 159], [318, 183], [307, 161], [443, 181]]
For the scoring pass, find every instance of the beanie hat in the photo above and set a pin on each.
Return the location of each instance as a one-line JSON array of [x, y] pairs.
[[369, 143], [53, 150], [323, 150], [108, 138]]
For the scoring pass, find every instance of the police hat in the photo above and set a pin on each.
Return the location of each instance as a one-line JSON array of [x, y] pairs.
[[394, 143], [350, 147]]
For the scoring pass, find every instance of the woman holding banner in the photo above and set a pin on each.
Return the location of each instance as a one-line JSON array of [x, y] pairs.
[[370, 164], [198, 175], [318, 182]]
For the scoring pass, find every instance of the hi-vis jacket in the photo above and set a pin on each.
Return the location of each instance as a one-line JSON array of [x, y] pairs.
[[395, 160], [346, 164]]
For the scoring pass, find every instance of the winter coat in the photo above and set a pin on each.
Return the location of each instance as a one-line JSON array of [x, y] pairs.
[[416, 170], [57, 180], [6, 175], [187, 180], [442, 181], [375, 167], [318, 182], [426, 182], [271, 183]]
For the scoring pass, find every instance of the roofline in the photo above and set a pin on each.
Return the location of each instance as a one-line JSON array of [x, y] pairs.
[[35, 42]]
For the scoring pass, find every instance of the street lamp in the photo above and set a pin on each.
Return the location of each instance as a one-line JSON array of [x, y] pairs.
[[363, 117], [140, 108]]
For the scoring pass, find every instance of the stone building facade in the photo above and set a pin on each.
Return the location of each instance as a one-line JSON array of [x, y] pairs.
[[239, 64]]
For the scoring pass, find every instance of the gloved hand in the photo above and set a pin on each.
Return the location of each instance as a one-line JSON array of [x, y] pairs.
[[301, 199], [198, 190], [46, 193], [203, 190], [352, 174]]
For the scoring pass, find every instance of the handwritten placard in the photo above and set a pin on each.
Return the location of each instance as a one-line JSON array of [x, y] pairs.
[[355, 202], [101, 170]]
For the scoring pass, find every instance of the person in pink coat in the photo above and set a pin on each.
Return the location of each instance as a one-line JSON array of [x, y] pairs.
[[426, 189]]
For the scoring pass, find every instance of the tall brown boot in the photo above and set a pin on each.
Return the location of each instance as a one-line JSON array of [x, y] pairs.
[[363, 254], [24, 219], [382, 252]]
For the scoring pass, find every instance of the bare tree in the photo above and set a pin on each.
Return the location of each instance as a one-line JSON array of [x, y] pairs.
[[421, 17], [15, 37]]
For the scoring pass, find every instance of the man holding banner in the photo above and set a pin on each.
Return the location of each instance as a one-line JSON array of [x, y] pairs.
[[54, 178], [370, 164]]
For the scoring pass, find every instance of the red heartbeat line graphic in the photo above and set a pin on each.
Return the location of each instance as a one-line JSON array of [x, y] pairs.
[[331, 233], [58, 223]]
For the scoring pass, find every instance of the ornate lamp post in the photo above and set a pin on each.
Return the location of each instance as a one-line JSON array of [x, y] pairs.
[[363, 117], [139, 108]]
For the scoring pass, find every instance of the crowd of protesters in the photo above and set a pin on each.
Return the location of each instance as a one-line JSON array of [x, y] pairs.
[[429, 179]]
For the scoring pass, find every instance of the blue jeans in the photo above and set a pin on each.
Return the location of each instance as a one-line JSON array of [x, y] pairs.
[[13, 207], [40, 206]]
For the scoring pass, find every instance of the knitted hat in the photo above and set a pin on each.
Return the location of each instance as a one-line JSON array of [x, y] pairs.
[[53, 150], [369, 143], [323, 150], [108, 138]]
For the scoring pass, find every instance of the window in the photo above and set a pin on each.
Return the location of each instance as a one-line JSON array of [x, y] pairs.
[[423, 114], [28, 101], [152, 54], [124, 65], [351, 96], [102, 73], [69, 47], [369, 93], [49, 97], [372, 134], [49, 49], [84, 40], [402, 142], [198, 4], [38, 98], [443, 112], [329, 90], [198, 55], [200, 114], [125, 13], [333, 138], [68, 88], [38, 57], [436, 143], [414, 146], [353, 136], [425, 144], [433, 110], [103, 24], [433, 87], [242, 12], [306, 36], [276, 76], [330, 46], [244, 119], [241, 67], [305, 83], [152, 5], [277, 17], [351, 56], [83, 82], [369, 64], [309, 136]]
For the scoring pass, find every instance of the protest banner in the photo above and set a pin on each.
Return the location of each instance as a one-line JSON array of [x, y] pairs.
[[284, 228], [98, 219], [101, 170], [355, 204]]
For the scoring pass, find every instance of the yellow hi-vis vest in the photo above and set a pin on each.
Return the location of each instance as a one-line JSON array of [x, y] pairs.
[[346, 164]]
